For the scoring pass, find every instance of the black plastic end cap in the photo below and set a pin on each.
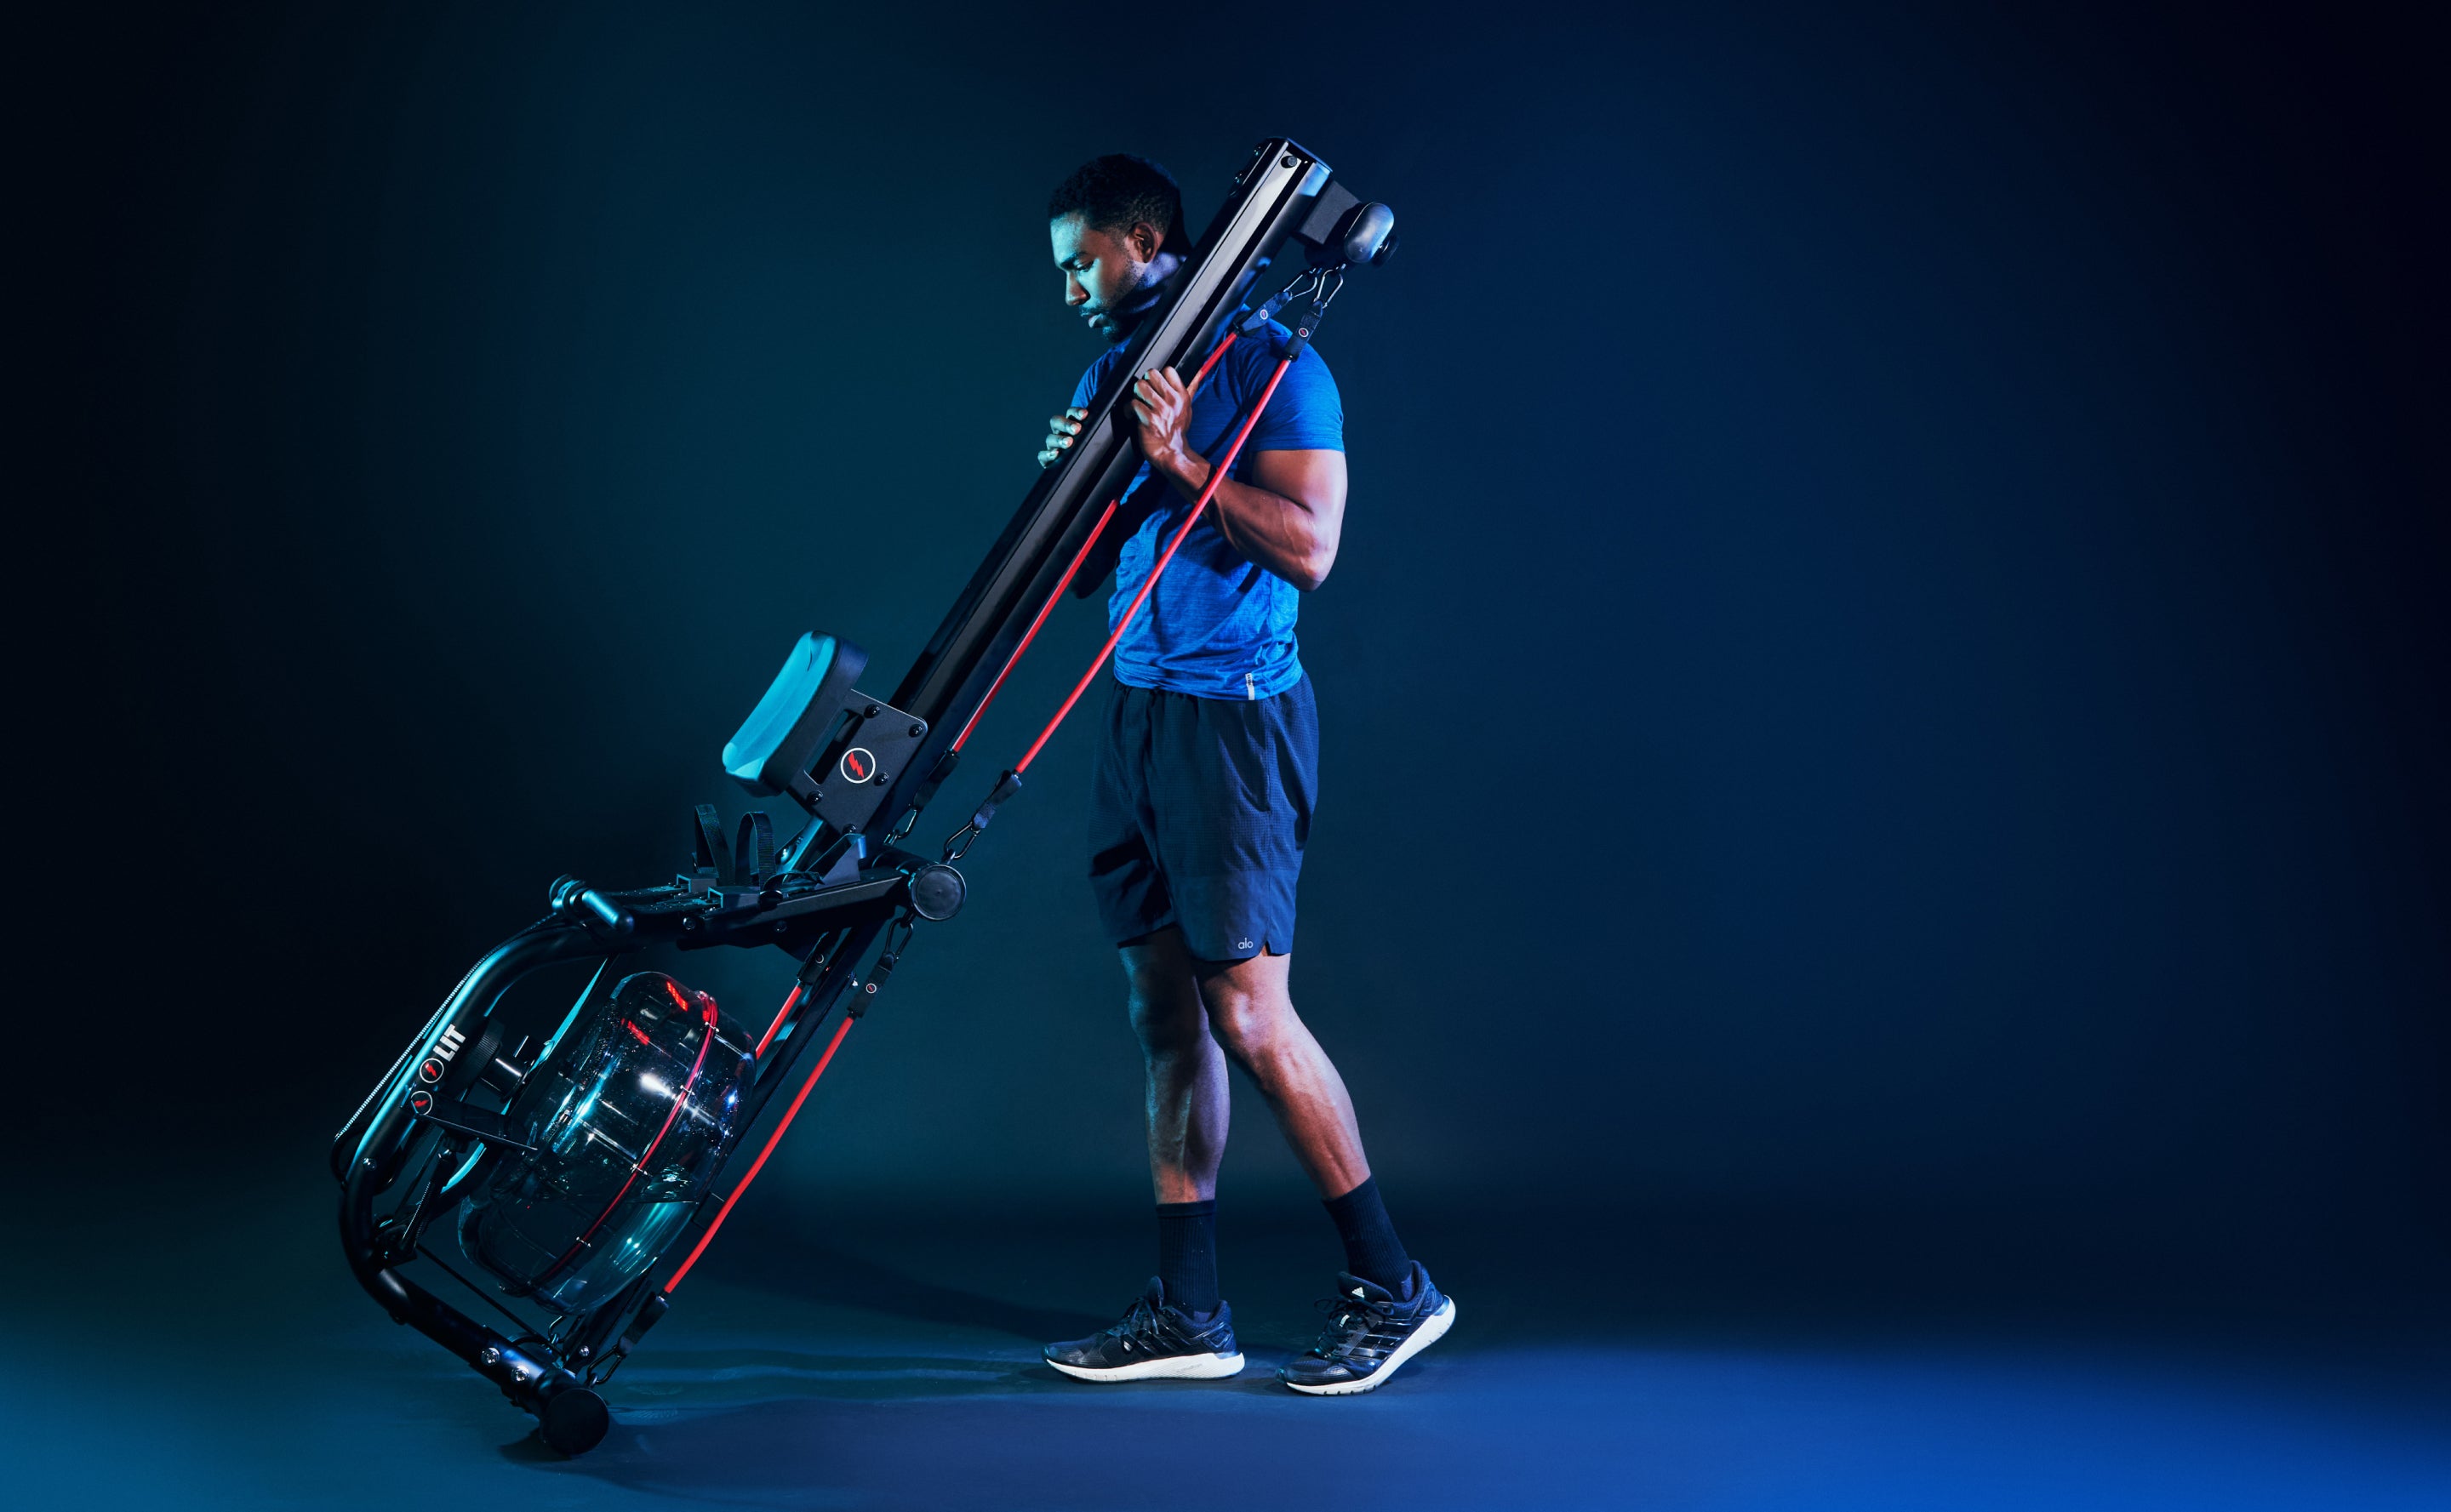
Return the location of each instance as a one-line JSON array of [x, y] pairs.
[[937, 891], [574, 1421], [1368, 235], [574, 899]]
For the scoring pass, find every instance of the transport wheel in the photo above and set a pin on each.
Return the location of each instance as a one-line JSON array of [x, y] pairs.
[[574, 1421]]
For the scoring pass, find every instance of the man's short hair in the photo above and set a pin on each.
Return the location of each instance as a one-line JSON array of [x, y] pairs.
[[1118, 191]]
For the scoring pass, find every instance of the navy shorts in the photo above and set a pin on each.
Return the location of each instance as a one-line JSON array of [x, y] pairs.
[[1199, 812]]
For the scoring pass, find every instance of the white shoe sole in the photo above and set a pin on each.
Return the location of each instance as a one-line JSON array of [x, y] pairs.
[[1174, 1368], [1424, 1336]]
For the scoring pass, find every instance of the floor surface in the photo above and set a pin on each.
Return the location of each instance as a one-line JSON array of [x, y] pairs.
[[897, 1370]]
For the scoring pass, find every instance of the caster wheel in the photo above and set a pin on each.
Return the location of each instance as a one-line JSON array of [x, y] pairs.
[[574, 1421]]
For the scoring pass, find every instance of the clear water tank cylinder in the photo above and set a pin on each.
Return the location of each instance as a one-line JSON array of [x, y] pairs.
[[627, 1134]]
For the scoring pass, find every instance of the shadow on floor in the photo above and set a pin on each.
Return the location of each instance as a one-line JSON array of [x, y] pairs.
[[835, 1277], [700, 1378]]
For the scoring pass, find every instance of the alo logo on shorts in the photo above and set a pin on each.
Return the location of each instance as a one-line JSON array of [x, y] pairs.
[[858, 764], [1243, 944]]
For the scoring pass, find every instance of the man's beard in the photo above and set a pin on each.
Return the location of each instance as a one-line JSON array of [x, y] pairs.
[[1126, 316]]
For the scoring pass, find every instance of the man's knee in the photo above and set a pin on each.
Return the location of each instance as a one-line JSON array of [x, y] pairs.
[[1169, 1022], [1165, 1004], [1247, 1015]]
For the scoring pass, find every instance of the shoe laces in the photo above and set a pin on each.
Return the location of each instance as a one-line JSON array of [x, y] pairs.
[[1139, 1324], [1353, 1325]]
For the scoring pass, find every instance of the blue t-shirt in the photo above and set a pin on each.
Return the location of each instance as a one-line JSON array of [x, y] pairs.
[[1218, 626]]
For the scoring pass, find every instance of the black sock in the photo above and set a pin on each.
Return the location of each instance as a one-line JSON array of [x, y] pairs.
[[1372, 1250], [1187, 1253]]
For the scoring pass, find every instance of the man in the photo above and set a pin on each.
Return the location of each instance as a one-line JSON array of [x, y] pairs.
[[1201, 804]]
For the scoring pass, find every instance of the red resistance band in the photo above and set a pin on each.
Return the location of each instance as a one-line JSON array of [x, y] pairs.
[[759, 1163], [1043, 610], [1216, 475], [1083, 555], [780, 1014], [680, 1099]]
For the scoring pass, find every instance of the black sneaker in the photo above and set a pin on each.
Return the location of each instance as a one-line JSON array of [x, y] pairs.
[[1370, 1332], [1156, 1341]]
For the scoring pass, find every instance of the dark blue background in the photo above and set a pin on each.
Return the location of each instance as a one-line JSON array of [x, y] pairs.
[[1885, 668]]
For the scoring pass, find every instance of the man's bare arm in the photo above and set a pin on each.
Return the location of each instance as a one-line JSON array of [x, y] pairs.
[[1287, 520]]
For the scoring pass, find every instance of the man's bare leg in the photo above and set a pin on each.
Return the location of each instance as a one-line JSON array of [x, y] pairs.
[[1188, 1098], [1190, 1015], [1251, 1017]]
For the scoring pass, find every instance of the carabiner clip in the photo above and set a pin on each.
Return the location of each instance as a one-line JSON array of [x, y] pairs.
[[958, 843]]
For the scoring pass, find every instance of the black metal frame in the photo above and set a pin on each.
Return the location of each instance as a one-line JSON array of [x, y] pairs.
[[838, 896]]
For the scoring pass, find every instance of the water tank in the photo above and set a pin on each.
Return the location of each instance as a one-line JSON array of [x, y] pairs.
[[628, 1128]]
